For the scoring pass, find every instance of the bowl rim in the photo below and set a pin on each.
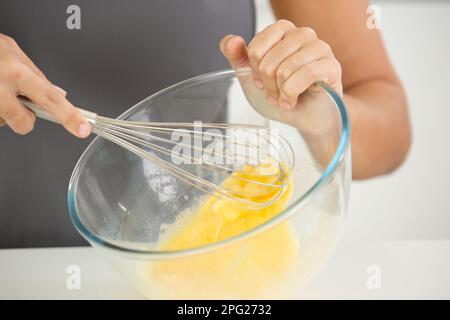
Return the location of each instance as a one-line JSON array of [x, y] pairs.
[[335, 163]]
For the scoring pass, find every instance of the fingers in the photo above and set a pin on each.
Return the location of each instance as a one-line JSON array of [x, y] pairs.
[[15, 115], [265, 40], [311, 52], [234, 49], [64, 92], [27, 61], [42, 92], [293, 41], [326, 70], [286, 61], [20, 76], [12, 46]]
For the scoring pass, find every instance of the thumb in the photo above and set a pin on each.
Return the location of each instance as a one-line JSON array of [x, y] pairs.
[[235, 50]]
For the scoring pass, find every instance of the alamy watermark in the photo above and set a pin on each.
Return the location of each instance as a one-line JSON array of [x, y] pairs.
[[235, 145], [73, 281], [373, 281], [374, 19], [73, 21]]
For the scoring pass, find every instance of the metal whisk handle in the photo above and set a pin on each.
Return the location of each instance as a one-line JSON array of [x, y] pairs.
[[41, 113]]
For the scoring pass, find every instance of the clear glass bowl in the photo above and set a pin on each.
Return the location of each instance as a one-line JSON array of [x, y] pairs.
[[123, 204]]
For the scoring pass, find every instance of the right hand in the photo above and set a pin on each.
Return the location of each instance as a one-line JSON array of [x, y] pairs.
[[20, 77]]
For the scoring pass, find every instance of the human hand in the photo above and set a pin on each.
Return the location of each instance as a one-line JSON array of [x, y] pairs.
[[20, 77], [286, 62]]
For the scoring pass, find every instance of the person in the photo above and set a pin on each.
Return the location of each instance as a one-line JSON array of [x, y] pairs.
[[120, 53]]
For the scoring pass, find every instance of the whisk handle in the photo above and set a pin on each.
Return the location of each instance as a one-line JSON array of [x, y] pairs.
[[41, 113]]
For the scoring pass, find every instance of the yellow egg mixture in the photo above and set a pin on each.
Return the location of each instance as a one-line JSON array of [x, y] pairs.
[[244, 269]]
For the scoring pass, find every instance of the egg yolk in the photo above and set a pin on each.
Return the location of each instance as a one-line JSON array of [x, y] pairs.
[[242, 269]]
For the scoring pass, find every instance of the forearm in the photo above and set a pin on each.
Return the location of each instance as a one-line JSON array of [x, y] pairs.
[[376, 102], [381, 133]]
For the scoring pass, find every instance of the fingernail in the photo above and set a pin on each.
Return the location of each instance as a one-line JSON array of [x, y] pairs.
[[84, 129], [273, 101], [258, 84], [285, 104], [64, 92], [228, 41]]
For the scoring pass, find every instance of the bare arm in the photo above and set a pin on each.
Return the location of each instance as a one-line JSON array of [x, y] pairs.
[[373, 94]]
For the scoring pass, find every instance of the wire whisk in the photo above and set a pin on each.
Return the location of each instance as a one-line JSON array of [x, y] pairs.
[[246, 163]]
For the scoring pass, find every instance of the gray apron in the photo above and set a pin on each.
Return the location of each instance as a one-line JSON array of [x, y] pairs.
[[120, 52]]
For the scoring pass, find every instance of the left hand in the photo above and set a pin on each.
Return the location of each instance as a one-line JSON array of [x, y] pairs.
[[286, 61]]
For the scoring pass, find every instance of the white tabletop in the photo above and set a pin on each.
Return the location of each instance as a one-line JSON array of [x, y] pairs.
[[400, 269]]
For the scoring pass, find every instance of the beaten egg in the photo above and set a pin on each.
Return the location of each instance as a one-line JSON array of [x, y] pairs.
[[242, 269]]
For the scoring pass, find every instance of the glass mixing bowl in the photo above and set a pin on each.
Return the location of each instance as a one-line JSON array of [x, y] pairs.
[[123, 204]]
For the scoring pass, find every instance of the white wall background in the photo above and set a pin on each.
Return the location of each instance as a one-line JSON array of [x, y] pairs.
[[414, 202]]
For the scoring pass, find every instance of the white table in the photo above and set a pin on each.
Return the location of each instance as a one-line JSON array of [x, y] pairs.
[[408, 269]]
